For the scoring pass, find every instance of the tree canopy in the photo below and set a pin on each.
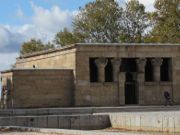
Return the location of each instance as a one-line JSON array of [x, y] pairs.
[[105, 21], [134, 21], [34, 45], [99, 21], [66, 37], [166, 21]]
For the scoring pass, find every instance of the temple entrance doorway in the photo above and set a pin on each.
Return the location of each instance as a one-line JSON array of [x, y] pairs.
[[130, 89], [130, 69]]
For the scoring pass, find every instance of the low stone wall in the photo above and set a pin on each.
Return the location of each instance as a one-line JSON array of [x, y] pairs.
[[147, 121], [83, 122], [84, 110], [157, 118], [38, 88]]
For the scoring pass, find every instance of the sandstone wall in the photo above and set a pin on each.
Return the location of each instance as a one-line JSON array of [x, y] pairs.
[[107, 94], [6, 91], [84, 87], [96, 94], [57, 59], [5, 77], [153, 94], [42, 88], [176, 77]]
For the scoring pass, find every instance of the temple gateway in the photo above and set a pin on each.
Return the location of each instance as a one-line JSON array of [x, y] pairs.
[[94, 75]]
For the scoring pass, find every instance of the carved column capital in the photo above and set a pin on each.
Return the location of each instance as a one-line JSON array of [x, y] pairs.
[[141, 63], [157, 62], [116, 62], [101, 62]]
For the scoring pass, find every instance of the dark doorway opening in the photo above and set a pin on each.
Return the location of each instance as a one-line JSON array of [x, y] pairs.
[[149, 71], [109, 71], [165, 70], [130, 89], [129, 66], [93, 70]]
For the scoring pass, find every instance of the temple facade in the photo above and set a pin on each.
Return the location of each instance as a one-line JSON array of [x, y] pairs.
[[94, 75]]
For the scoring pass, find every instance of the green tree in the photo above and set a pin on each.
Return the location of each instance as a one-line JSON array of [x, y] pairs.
[[167, 21], [34, 46], [135, 21], [99, 21], [66, 37]]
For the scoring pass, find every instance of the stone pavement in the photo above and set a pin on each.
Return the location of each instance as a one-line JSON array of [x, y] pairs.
[[36, 131]]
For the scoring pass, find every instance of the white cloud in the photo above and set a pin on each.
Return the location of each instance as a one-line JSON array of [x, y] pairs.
[[51, 20], [3, 37], [10, 40], [7, 59], [44, 24], [149, 4]]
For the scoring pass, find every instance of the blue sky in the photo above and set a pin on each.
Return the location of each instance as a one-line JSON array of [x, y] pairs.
[[10, 10], [21, 20]]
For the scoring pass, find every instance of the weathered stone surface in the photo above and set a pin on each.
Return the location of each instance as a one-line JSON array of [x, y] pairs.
[[66, 80], [64, 122], [146, 121], [42, 122], [53, 122], [42, 88]]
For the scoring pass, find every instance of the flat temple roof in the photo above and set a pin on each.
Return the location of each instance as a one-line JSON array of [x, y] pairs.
[[36, 69], [94, 44]]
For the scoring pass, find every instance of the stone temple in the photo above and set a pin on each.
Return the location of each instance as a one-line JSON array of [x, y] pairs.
[[94, 75]]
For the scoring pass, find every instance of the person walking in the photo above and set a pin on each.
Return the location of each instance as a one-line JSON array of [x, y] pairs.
[[167, 98]]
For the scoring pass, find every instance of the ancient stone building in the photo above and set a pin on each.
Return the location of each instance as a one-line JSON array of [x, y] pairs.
[[94, 75]]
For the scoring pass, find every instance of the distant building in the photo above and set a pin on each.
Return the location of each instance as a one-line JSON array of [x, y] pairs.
[[94, 75]]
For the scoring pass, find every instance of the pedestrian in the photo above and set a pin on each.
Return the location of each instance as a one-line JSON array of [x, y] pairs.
[[167, 98]]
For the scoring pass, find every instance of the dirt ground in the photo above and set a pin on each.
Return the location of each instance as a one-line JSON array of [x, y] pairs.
[[4, 131], [26, 133]]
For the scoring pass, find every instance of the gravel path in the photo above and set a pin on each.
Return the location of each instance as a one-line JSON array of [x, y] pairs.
[[25, 133]]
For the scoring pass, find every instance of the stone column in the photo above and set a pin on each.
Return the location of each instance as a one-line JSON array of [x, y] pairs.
[[122, 79], [116, 68], [156, 62], [141, 63], [101, 64]]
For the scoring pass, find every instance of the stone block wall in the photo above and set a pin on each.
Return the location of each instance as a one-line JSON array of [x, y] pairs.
[[176, 77], [97, 94], [62, 59], [78, 122], [42, 88], [7, 86], [88, 93], [161, 121], [153, 93], [155, 89]]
